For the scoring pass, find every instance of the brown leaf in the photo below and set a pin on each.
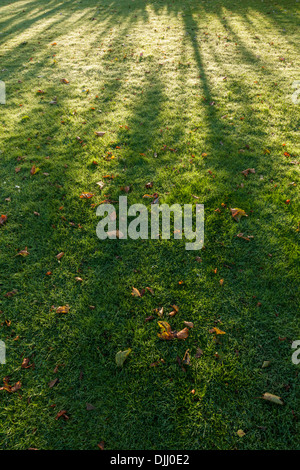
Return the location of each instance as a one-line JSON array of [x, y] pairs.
[[151, 317], [33, 170], [249, 170], [63, 309], [3, 219], [90, 407], [16, 387], [183, 334], [52, 382], [150, 290], [199, 353], [63, 414], [189, 324], [101, 445], [60, 255], [126, 189], [25, 363], [10, 388], [23, 252]]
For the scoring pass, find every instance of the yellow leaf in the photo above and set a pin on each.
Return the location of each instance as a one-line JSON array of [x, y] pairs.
[[272, 398], [166, 332], [121, 357], [217, 331], [135, 292], [237, 213], [64, 309]]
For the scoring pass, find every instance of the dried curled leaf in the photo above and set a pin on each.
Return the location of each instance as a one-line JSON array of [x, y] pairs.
[[166, 332], [135, 292], [237, 213], [186, 358], [247, 171], [23, 252], [10, 388], [121, 356], [63, 309], [86, 195]]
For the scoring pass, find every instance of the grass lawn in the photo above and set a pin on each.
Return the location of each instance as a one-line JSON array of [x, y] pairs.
[[190, 94]]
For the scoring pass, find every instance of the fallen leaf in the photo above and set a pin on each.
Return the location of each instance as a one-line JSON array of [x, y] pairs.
[[272, 398], [199, 353], [101, 184], [34, 170], [150, 290], [249, 170], [25, 363], [63, 414], [241, 433], [121, 356], [183, 334], [165, 332], [86, 195], [63, 309], [89, 407], [3, 219], [265, 364], [135, 292], [217, 331], [23, 252], [52, 382], [189, 324], [186, 358], [237, 214]]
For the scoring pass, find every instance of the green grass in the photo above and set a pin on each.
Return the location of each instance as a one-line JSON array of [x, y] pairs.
[[173, 97]]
